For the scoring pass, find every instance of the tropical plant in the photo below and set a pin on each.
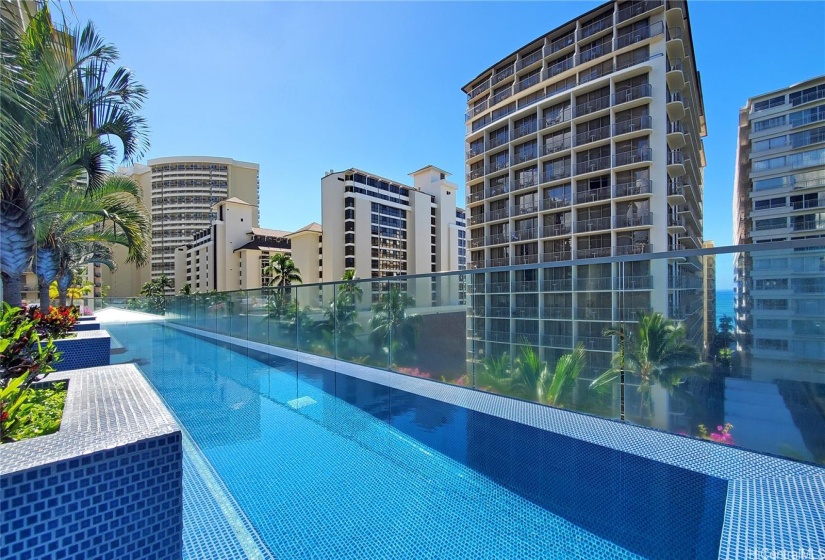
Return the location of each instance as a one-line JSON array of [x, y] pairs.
[[721, 341], [282, 270], [40, 413], [155, 293], [556, 388], [56, 322], [63, 102], [393, 330], [494, 374], [657, 352], [721, 435], [186, 289], [341, 326]]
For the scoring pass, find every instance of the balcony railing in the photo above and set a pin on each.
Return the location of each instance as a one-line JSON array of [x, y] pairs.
[[675, 158], [475, 151], [499, 261], [561, 43], [558, 118], [593, 224], [557, 340], [558, 67], [589, 313], [637, 156], [476, 196], [498, 239], [506, 73], [634, 220], [638, 187], [526, 181], [494, 166], [591, 106], [475, 110], [805, 225], [597, 71], [592, 165], [596, 26], [557, 285], [603, 283], [498, 214], [631, 94], [556, 256], [644, 122], [808, 97], [525, 156], [550, 203], [597, 342], [500, 187], [521, 209], [555, 174], [526, 259], [551, 147], [501, 96], [803, 204], [476, 242], [476, 219], [593, 195], [524, 234], [496, 141], [641, 34], [498, 287], [556, 230], [593, 253], [528, 82], [479, 89], [593, 135], [675, 65], [634, 282], [525, 129], [475, 173], [636, 9]]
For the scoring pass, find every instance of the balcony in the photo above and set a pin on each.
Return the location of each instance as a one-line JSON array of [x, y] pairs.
[[806, 225], [528, 82], [500, 214], [560, 117], [525, 156], [557, 256], [498, 188], [525, 234], [675, 224], [558, 285], [591, 106], [475, 173], [504, 74], [634, 220], [627, 95], [476, 219], [553, 312], [498, 287], [684, 283], [476, 242], [675, 43], [593, 135], [558, 67], [593, 224], [639, 155], [595, 284], [560, 43], [476, 264], [595, 72], [637, 9], [634, 282], [596, 342], [476, 109], [638, 35], [676, 135], [498, 239], [524, 130], [554, 146], [522, 209], [478, 90], [475, 196], [636, 124], [593, 195], [675, 163], [635, 188], [499, 261], [805, 204], [596, 27], [475, 151], [589, 313], [808, 97], [633, 249], [551, 203], [555, 174], [529, 60], [526, 286], [676, 106], [593, 165], [556, 340], [499, 312], [494, 166], [496, 141], [674, 17], [526, 259], [675, 193], [555, 230], [501, 96], [675, 75], [526, 181]]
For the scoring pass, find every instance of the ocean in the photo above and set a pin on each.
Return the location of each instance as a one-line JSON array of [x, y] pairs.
[[724, 304]]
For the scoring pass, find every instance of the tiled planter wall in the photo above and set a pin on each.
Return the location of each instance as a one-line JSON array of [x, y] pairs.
[[86, 349], [86, 326], [107, 485]]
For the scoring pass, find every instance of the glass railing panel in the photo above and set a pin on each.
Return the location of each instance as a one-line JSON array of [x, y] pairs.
[[235, 324], [282, 313], [257, 318], [367, 341], [318, 316]]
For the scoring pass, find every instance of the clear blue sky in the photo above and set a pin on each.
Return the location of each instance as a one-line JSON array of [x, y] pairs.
[[301, 88]]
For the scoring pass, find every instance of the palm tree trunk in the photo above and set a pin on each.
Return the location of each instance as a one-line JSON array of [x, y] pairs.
[[46, 266], [13, 289], [45, 300], [63, 282], [16, 243]]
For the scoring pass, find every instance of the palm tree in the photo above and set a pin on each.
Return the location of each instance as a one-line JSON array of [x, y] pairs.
[[393, 329], [554, 389], [494, 374], [186, 289], [350, 290], [282, 270], [155, 292], [68, 100], [656, 353], [74, 228]]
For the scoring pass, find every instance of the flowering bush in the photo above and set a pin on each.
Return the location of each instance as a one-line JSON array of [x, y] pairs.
[[56, 323], [721, 435], [414, 372]]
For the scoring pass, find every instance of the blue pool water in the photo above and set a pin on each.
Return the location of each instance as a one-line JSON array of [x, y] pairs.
[[309, 475]]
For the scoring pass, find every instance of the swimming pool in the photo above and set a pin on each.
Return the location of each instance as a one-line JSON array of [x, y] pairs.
[[319, 464]]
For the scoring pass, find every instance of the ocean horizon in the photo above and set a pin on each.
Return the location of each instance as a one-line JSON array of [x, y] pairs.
[[724, 304]]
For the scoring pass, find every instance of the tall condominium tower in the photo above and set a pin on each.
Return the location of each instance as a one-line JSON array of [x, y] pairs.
[[586, 143], [180, 193], [381, 228], [779, 195]]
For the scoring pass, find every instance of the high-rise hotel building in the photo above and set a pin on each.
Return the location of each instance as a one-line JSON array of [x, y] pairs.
[[382, 228], [779, 195], [180, 193], [586, 143]]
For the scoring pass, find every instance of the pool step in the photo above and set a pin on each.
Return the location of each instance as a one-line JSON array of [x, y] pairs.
[[301, 402]]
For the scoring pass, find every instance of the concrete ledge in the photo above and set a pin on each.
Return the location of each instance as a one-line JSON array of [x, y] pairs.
[[84, 350], [107, 484], [754, 517]]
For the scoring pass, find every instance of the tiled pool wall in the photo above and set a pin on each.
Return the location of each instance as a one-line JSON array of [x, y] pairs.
[[657, 510], [108, 484], [90, 348]]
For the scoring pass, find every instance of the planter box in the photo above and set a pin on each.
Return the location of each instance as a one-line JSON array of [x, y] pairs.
[[85, 349], [85, 318], [108, 484], [86, 326]]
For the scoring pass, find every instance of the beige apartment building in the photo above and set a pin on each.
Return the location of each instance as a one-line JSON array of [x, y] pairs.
[[779, 195], [232, 254], [382, 228], [180, 193], [583, 144]]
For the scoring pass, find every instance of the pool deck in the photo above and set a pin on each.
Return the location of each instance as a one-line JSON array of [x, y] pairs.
[[773, 505]]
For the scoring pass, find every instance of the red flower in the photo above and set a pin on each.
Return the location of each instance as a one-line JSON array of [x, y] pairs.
[[4, 416]]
